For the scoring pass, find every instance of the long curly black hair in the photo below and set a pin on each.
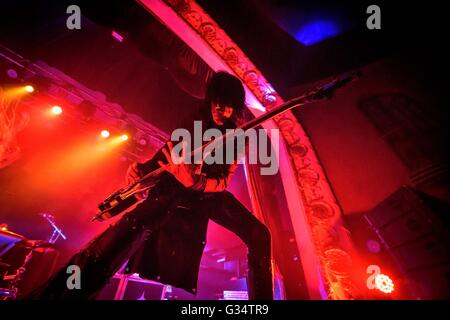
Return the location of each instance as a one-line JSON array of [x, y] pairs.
[[225, 89]]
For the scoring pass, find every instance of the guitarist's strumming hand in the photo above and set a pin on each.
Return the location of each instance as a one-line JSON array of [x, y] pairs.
[[177, 166]]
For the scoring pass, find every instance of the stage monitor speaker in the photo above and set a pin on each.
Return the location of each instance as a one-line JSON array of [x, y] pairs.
[[131, 287]]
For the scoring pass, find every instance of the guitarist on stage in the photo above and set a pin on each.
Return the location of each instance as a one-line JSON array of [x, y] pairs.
[[163, 237]]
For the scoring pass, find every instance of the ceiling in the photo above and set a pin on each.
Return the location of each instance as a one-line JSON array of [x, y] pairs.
[[291, 42]]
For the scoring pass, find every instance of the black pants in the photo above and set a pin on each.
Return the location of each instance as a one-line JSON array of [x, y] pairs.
[[103, 256]]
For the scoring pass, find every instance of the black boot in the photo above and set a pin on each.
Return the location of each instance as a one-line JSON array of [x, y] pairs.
[[259, 278]]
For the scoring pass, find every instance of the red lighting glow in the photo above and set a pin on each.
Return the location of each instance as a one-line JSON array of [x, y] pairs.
[[384, 283]]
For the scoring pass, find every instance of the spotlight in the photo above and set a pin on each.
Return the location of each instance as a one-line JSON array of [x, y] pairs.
[[105, 133], [117, 36], [56, 110], [142, 141], [12, 73], [124, 137], [384, 283], [29, 88], [373, 246]]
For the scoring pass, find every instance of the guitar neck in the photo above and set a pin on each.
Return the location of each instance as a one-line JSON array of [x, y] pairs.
[[244, 127], [273, 113]]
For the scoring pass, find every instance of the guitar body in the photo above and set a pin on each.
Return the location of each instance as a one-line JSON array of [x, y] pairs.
[[126, 198], [118, 205]]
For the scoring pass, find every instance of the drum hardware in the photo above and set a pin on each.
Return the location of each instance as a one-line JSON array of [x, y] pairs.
[[9, 239]]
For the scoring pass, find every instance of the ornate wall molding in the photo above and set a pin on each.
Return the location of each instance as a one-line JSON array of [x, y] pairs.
[[321, 208]]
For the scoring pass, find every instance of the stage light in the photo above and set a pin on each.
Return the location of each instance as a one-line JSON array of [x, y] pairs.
[[373, 246], [141, 139], [124, 137], [18, 91], [56, 110], [29, 88], [105, 133], [117, 36], [12, 73], [384, 283]]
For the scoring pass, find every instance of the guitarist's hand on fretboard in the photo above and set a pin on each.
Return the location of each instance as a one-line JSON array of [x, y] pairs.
[[177, 166]]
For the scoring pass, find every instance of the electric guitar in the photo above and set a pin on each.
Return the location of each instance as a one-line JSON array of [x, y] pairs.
[[127, 197]]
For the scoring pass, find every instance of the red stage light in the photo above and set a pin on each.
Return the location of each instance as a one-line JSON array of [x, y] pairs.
[[56, 110], [384, 283], [105, 133], [124, 137]]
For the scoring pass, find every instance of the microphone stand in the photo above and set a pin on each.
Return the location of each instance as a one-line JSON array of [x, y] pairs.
[[56, 231]]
